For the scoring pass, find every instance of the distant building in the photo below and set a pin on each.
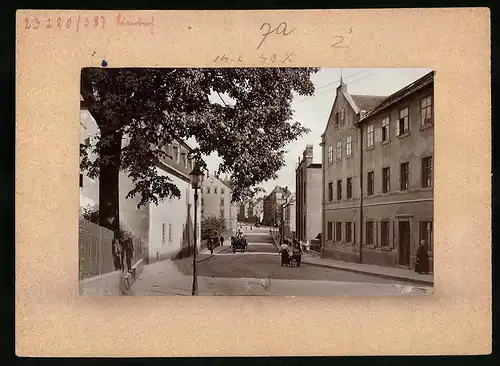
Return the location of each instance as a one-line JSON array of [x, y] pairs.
[[258, 209], [390, 145], [308, 196], [164, 230], [289, 209], [216, 197], [273, 205]]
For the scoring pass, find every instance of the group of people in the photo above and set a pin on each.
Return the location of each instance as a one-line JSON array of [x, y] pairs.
[[123, 252], [290, 249], [215, 242]]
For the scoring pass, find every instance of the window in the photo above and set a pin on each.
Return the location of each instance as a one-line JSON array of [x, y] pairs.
[[222, 201], [222, 190], [176, 153], [384, 238], [221, 212], [427, 172], [369, 136], [330, 154], [403, 126], [339, 150], [426, 233], [348, 146], [337, 118], [170, 233], [385, 130], [369, 233], [215, 190], [371, 183], [330, 191], [348, 232], [405, 176], [349, 187], [426, 114], [339, 189], [338, 231], [386, 180], [342, 115], [329, 230], [163, 232]]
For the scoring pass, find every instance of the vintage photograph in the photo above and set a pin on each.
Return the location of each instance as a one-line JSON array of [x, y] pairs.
[[256, 181]]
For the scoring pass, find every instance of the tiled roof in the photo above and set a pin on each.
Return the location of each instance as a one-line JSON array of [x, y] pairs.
[[367, 102]]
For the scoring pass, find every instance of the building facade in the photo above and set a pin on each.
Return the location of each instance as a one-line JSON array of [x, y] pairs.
[[308, 196], [216, 197], [165, 230], [272, 205], [258, 209], [379, 199]]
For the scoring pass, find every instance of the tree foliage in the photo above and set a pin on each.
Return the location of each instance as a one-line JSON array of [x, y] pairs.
[[148, 108], [212, 227]]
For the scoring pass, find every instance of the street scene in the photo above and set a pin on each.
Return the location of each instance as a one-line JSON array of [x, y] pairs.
[[256, 182], [258, 272]]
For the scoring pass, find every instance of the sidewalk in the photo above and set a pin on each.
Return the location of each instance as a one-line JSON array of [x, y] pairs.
[[395, 273]]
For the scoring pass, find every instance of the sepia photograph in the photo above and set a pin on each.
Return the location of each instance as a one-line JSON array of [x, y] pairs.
[[256, 181]]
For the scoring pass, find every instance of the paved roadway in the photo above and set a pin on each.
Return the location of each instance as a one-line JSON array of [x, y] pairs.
[[258, 272]]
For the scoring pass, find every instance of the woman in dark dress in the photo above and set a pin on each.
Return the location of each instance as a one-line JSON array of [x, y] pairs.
[[422, 263]]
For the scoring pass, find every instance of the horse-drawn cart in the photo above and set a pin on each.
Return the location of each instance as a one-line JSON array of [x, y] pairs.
[[239, 243]]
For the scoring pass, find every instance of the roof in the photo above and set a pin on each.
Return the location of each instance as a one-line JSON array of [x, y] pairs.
[[314, 165], [425, 80], [228, 184], [367, 102]]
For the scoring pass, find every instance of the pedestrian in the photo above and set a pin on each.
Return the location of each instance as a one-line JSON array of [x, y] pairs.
[[210, 246], [129, 251], [221, 240], [422, 262]]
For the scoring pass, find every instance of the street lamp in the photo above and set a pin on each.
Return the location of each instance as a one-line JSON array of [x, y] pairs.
[[196, 177]]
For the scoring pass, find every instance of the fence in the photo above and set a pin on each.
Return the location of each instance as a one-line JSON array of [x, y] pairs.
[[95, 250]]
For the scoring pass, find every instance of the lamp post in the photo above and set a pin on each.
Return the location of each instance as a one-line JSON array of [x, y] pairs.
[[196, 177]]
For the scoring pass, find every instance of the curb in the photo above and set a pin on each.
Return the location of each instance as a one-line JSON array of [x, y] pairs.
[[210, 256], [381, 275]]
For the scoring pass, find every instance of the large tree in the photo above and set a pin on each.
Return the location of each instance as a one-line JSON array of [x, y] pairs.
[[152, 107]]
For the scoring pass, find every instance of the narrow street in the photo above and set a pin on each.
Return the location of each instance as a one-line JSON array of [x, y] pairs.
[[257, 272]]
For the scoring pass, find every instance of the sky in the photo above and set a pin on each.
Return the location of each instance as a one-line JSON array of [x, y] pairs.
[[313, 112]]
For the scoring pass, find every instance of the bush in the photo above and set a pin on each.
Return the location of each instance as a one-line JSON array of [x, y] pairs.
[[212, 227]]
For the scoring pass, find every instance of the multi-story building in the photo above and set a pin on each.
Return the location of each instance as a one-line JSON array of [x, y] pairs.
[[289, 209], [258, 209], [308, 196], [164, 230], [216, 197], [273, 205], [387, 203]]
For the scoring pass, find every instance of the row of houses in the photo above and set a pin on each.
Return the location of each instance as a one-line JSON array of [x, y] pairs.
[[370, 200], [164, 230]]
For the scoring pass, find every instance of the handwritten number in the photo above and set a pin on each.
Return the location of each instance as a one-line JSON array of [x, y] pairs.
[[273, 58], [59, 22], [280, 29], [68, 23], [336, 44], [86, 22], [96, 21], [103, 21], [26, 23], [49, 24]]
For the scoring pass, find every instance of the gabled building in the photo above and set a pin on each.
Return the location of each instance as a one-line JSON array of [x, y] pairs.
[[289, 212], [165, 230], [378, 176], [216, 194], [340, 164], [273, 205]]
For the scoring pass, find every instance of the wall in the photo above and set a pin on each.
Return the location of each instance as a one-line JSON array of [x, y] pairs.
[[414, 204], [313, 186], [173, 213], [108, 284], [212, 201]]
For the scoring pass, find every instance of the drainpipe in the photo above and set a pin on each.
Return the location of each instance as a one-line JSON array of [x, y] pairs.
[[360, 193], [323, 223]]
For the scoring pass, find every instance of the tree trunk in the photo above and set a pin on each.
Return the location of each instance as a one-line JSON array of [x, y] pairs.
[[109, 199]]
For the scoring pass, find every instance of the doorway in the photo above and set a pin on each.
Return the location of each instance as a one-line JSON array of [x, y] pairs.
[[404, 243]]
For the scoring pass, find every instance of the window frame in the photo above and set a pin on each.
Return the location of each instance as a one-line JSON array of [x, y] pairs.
[[386, 129], [404, 176], [348, 146], [403, 120], [329, 231], [330, 154], [429, 234], [330, 191], [339, 189], [348, 232], [371, 231], [338, 231], [423, 172], [370, 183], [349, 187], [338, 150], [428, 111], [386, 179], [370, 136], [385, 240], [342, 115]]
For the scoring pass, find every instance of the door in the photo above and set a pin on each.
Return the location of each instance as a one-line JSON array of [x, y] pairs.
[[404, 243]]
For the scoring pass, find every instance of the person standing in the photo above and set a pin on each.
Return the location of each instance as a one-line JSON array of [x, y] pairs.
[[221, 240], [422, 262], [210, 246]]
